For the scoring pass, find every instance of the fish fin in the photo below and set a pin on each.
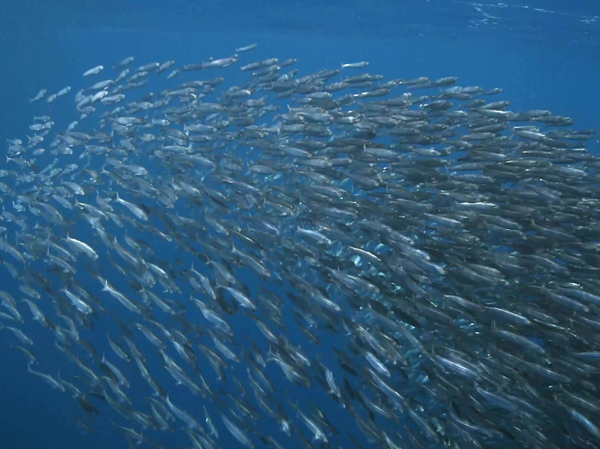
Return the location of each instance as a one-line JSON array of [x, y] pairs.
[[494, 327]]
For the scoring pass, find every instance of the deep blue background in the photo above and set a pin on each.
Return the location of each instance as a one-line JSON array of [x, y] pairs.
[[545, 54]]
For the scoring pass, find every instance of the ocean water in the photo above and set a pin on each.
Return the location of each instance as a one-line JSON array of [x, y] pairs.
[[544, 54]]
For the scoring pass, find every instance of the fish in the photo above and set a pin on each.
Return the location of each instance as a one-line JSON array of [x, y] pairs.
[[356, 65], [246, 48], [63, 91], [437, 252], [53, 383], [94, 70], [124, 63], [38, 96], [81, 247]]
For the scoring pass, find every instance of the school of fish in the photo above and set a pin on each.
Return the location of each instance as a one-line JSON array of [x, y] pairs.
[[424, 260]]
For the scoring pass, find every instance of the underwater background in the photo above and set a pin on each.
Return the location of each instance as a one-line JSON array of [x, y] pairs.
[[543, 54]]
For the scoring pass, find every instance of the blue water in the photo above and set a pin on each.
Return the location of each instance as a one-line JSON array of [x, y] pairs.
[[544, 54]]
